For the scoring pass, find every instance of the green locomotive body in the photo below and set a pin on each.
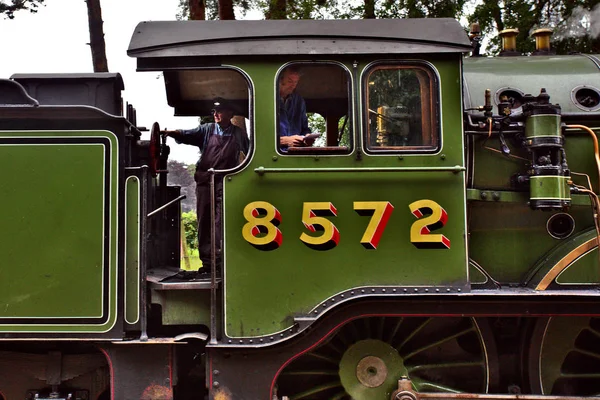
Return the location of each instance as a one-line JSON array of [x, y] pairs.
[[438, 241]]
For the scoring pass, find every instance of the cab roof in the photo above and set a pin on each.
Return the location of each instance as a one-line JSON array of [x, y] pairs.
[[159, 39]]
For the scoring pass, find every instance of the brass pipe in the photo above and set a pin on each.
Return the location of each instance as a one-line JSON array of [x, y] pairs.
[[595, 141]]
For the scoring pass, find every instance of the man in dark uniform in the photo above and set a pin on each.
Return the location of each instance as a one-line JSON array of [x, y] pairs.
[[222, 146]]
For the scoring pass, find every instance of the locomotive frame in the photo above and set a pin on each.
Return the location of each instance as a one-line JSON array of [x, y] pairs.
[[441, 242]]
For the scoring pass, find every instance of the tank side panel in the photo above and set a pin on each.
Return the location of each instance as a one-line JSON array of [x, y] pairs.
[[59, 236]]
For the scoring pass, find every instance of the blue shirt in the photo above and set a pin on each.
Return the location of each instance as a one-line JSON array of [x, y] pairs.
[[292, 116]]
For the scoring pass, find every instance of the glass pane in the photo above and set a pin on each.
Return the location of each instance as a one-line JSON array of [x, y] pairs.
[[400, 109]]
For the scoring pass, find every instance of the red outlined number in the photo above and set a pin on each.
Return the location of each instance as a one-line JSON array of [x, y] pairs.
[[312, 218], [261, 230], [380, 212], [431, 216]]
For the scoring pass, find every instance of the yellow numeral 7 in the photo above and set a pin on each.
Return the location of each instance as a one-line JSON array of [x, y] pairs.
[[380, 212]]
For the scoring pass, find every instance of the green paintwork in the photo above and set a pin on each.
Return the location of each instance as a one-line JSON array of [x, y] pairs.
[[530, 74], [183, 307], [476, 276], [53, 232], [265, 290], [542, 126], [586, 266], [502, 236], [499, 196], [549, 188], [132, 250], [583, 271]]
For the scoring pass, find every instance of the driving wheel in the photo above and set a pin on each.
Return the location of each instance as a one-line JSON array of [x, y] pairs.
[[564, 356], [366, 357]]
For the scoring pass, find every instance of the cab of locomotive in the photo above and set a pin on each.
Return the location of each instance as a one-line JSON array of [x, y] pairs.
[[361, 203]]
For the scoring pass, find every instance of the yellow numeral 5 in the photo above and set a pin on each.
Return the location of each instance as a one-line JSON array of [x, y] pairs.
[[312, 218]]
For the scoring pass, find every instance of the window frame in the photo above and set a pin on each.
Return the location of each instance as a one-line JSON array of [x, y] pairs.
[[250, 131], [435, 106], [327, 150]]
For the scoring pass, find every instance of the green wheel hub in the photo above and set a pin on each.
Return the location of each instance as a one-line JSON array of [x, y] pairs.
[[370, 369]]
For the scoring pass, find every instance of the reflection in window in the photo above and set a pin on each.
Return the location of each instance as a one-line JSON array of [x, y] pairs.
[[401, 109]]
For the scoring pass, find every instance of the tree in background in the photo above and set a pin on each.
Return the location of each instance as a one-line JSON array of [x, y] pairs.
[[97, 44], [573, 21], [182, 175], [8, 8], [190, 227], [211, 9]]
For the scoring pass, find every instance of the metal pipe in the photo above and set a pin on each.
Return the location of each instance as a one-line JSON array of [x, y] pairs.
[[455, 169], [166, 205], [213, 260], [595, 142]]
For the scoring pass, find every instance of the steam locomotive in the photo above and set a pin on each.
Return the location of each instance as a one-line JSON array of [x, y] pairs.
[[439, 240]]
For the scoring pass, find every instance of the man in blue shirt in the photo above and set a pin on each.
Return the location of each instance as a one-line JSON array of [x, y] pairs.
[[222, 146], [293, 122]]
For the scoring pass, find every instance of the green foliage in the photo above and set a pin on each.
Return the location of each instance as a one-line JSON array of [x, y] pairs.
[[570, 18], [9, 7], [211, 8], [317, 123], [190, 227]]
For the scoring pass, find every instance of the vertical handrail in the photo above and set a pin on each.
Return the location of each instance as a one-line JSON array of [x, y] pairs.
[[143, 257], [213, 260]]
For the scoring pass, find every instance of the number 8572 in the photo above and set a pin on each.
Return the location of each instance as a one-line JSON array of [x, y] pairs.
[[263, 219]]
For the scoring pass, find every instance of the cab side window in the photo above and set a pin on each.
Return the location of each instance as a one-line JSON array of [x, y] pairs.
[[402, 109], [313, 109]]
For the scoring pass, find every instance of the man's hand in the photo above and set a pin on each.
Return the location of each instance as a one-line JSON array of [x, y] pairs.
[[292, 141], [170, 133]]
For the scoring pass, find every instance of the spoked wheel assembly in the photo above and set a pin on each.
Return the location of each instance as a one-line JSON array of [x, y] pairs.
[[366, 357], [564, 356]]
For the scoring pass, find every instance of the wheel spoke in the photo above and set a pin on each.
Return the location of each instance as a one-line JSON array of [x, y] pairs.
[[316, 390], [587, 353], [380, 328], [439, 342], [445, 365], [414, 333], [440, 364], [582, 376], [394, 331], [367, 327], [334, 347], [421, 384], [324, 358], [339, 396]]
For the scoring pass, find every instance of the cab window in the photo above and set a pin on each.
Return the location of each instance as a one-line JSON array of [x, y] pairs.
[[401, 109], [313, 109]]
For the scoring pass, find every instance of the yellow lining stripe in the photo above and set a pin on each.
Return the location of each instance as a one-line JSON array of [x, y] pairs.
[[565, 262]]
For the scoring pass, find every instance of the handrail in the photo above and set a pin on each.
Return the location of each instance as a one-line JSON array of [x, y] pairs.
[[166, 205], [455, 169]]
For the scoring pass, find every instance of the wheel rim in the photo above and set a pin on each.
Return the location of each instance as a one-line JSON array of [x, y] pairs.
[[365, 358], [565, 356]]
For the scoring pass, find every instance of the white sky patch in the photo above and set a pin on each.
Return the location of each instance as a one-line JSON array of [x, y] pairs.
[[56, 40]]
